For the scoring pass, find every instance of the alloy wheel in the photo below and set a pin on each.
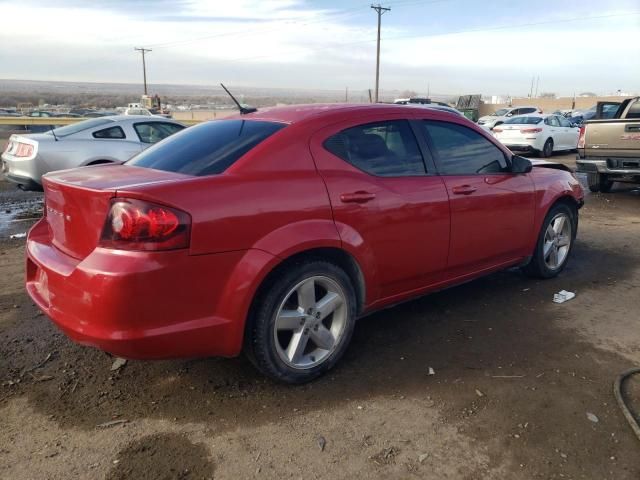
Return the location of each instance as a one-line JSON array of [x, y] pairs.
[[557, 241], [310, 322]]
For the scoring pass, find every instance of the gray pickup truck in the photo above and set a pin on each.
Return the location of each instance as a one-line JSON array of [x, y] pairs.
[[609, 149]]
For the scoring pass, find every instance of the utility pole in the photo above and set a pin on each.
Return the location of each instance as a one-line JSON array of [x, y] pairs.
[[537, 83], [144, 65], [346, 94], [531, 91], [380, 10]]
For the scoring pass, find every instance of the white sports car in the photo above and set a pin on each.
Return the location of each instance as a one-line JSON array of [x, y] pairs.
[[98, 140], [541, 134]]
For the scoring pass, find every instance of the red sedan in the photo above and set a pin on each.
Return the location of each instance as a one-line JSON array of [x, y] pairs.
[[272, 232]]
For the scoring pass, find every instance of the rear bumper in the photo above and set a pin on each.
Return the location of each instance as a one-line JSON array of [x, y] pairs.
[[144, 305], [21, 172], [585, 165]]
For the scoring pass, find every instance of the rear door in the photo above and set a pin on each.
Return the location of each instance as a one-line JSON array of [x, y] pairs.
[[492, 209], [385, 200], [615, 138]]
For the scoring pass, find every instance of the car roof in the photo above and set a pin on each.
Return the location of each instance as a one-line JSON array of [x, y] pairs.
[[120, 118], [296, 113]]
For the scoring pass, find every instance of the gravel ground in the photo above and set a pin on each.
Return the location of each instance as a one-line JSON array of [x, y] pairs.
[[515, 379]]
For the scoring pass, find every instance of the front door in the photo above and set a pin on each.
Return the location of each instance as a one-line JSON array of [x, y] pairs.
[[492, 209], [385, 202]]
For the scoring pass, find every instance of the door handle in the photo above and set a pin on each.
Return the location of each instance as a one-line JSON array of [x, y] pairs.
[[463, 190], [357, 197]]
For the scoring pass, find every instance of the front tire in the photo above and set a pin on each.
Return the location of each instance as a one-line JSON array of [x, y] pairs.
[[555, 242], [302, 322]]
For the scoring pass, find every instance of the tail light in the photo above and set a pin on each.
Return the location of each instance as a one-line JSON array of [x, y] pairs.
[[581, 141], [496, 130], [138, 225], [23, 150], [530, 130]]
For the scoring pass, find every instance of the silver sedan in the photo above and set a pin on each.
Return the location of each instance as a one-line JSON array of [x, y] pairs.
[[98, 140]]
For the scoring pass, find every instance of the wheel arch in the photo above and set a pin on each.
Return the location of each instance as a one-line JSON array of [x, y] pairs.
[[335, 255]]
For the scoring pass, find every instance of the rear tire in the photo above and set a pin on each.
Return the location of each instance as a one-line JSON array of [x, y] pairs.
[[302, 322], [599, 183], [547, 150], [555, 242]]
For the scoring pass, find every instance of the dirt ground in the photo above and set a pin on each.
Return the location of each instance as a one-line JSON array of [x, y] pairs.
[[515, 379]]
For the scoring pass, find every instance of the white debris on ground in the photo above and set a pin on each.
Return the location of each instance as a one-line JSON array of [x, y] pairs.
[[563, 296]]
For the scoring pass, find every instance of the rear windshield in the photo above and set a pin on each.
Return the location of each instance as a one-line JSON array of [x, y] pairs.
[[80, 126], [524, 120], [207, 148]]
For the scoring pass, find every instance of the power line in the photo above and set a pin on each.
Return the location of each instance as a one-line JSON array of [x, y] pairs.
[[380, 10], [443, 34]]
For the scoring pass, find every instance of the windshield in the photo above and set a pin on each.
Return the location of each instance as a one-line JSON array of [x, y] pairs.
[[206, 149], [500, 113], [523, 120], [80, 126]]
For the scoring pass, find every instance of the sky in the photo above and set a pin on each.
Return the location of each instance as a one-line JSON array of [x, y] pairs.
[[493, 47]]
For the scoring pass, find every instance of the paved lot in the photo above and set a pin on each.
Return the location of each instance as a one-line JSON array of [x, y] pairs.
[[515, 376]]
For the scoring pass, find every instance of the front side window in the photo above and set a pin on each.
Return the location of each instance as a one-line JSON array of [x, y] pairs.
[[552, 121], [208, 148], [527, 110], [563, 122], [462, 151], [153, 132], [385, 149], [113, 132]]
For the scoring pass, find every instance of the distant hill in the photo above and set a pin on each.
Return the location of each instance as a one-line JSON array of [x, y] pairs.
[[117, 94]]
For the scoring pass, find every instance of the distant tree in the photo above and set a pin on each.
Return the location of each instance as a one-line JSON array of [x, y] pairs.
[[587, 94], [547, 95]]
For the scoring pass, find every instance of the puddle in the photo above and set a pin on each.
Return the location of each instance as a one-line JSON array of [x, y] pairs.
[[18, 216]]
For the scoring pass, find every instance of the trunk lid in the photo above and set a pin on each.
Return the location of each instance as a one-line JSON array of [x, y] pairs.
[[77, 201]]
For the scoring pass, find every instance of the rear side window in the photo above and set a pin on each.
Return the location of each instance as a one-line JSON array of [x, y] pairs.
[[461, 151], [113, 132], [634, 111], [385, 149], [207, 148], [153, 132]]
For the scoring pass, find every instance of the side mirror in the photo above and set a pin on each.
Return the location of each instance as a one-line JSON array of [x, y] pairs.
[[520, 164], [509, 115]]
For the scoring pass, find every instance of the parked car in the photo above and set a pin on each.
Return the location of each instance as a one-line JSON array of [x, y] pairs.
[[442, 108], [273, 231], [541, 134], [609, 148], [98, 114], [138, 111], [100, 140], [499, 116]]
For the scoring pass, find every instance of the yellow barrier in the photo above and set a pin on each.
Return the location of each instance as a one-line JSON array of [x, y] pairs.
[[58, 121]]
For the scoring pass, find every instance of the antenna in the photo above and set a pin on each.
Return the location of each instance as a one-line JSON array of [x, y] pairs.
[[243, 110], [53, 132]]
